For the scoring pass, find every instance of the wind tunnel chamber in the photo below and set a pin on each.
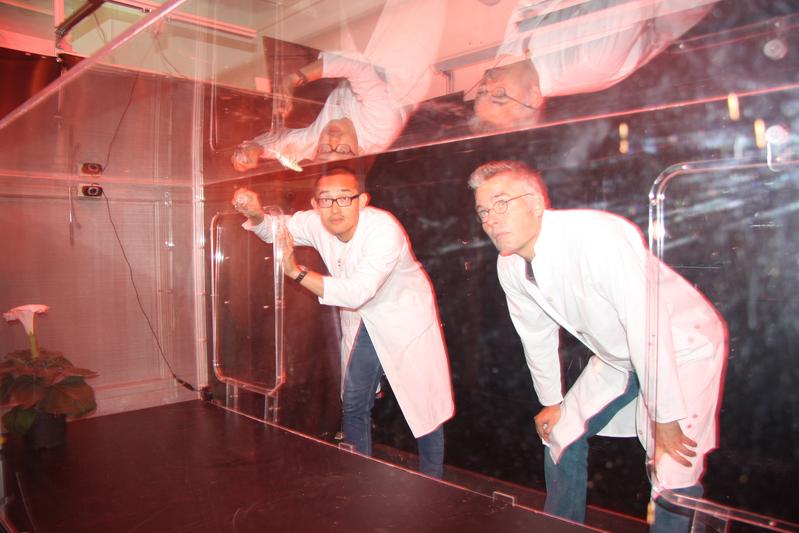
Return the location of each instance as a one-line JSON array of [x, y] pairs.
[[697, 147]]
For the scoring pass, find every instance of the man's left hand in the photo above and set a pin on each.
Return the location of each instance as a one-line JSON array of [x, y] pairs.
[[670, 439], [284, 94], [289, 263], [545, 420]]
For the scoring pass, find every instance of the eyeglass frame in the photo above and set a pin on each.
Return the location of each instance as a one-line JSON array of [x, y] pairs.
[[500, 92], [349, 199], [482, 214], [348, 151]]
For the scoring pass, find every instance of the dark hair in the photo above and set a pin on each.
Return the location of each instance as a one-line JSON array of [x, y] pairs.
[[342, 169]]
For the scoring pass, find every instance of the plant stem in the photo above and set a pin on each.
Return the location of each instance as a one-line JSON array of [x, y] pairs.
[[34, 345]]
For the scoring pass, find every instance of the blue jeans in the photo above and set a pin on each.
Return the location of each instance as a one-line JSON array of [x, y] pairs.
[[567, 480], [363, 375], [669, 518]]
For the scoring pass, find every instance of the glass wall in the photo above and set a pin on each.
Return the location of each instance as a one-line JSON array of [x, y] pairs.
[[197, 99]]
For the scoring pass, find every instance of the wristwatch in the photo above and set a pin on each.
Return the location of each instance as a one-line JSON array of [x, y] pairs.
[[302, 274]]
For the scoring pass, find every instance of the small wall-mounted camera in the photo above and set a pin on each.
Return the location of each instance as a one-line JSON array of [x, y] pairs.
[[90, 169], [90, 190]]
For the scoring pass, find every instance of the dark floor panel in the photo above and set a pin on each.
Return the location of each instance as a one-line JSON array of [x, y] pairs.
[[525, 496], [194, 467]]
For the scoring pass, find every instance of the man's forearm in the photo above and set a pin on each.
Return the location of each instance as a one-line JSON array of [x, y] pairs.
[[310, 72], [312, 281]]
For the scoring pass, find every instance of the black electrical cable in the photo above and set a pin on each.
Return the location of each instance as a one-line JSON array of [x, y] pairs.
[[182, 382], [119, 123]]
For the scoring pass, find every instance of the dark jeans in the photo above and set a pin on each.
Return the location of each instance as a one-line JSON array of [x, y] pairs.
[[670, 518], [363, 375], [567, 480]]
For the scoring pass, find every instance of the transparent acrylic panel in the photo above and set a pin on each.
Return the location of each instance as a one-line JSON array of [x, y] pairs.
[[585, 165], [413, 70], [302, 381], [131, 250], [421, 64], [112, 115], [247, 294], [728, 227], [163, 106]]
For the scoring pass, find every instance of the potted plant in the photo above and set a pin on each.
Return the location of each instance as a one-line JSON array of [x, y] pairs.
[[41, 387]]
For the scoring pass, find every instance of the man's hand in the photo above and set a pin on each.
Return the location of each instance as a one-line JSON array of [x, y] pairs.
[[545, 420], [289, 263], [246, 156], [284, 93], [670, 439], [247, 203]]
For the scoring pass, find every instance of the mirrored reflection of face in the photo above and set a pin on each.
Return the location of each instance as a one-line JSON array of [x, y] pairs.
[[520, 87], [338, 140], [340, 221], [516, 230]]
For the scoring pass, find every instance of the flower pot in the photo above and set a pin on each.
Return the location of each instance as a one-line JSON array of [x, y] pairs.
[[47, 431]]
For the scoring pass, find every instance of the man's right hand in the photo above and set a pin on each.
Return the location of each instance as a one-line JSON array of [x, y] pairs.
[[545, 420], [247, 203]]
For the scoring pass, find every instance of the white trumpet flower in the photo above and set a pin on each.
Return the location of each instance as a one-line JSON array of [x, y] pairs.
[[26, 315]]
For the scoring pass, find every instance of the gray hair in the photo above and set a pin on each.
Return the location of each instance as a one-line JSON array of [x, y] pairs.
[[515, 170], [529, 119]]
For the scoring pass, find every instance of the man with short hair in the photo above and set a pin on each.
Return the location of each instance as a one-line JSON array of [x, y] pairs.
[[587, 271], [561, 48], [366, 112], [389, 318]]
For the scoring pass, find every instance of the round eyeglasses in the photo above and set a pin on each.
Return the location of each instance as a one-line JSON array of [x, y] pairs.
[[501, 93], [499, 207], [342, 201]]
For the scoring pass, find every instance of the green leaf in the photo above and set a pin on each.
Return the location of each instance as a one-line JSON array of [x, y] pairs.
[[19, 420], [6, 382], [26, 391], [72, 397], [82, 372]]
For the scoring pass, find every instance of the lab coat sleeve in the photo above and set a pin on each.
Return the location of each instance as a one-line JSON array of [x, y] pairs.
[[362, 75], [621, 278], [384, 243], [292, 143], [302, 225], [538, 333]]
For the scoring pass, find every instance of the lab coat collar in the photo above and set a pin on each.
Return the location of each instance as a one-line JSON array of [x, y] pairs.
[[543, 243]]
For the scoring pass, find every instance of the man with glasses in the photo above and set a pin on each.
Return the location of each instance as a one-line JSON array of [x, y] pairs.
[[367, 111], [561, 48], [587, 272], [389, 317], [358, 117]]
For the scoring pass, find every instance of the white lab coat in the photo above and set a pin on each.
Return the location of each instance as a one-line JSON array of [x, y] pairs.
[[375, 278], [577, 49], [365, 99], [590, 269]]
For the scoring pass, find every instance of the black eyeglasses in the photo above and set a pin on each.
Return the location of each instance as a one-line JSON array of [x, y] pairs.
[[342, 201], [500, 92], [499, 207], [344, 149]]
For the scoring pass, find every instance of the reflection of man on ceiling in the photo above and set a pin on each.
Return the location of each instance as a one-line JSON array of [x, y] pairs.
[[556, 48], [366, 112]]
